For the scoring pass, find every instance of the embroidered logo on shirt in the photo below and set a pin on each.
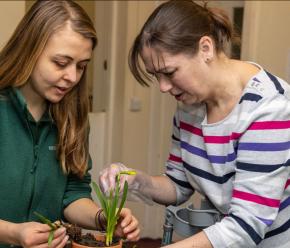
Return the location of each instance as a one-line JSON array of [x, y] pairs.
[[52, 148]]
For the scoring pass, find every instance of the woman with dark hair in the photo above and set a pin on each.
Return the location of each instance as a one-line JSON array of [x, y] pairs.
[[231, 133], [44, 127]]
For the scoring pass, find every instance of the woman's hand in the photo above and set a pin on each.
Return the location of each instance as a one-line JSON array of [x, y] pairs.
[[107, 179], [141, 186], [128, 226], [33, 234]]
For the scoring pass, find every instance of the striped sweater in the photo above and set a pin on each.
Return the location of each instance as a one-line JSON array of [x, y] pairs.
[[240, 163]]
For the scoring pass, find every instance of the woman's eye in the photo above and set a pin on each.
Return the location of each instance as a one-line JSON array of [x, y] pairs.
[[60, 64], [82, 66], [169, 74]]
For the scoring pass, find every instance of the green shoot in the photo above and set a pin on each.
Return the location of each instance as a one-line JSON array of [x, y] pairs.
[[110, 204], [51, 225]]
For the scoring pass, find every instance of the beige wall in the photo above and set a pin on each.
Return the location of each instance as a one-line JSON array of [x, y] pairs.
[[10, 14], [266, 37]]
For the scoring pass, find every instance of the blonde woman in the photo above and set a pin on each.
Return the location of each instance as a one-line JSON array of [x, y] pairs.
[[44, 127]]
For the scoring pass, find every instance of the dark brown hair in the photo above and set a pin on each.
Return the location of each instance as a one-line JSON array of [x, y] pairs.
[[18, 59], [176, 27]]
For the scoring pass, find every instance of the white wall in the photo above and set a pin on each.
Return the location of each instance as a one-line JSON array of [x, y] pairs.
[[10, 14]]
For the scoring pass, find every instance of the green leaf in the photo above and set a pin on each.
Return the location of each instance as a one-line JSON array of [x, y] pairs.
[[109, 202], [125, 191], [50, 237], [111, 219], [113, 208], [45, 220], [101, 197]]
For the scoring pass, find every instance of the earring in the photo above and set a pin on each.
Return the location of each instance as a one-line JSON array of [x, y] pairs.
[[207, 60]]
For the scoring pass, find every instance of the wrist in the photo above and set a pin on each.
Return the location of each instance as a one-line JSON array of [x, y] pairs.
[[9, 233], [15, 236]]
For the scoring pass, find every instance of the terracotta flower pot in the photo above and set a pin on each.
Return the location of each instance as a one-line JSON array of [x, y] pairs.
[[98, 237]]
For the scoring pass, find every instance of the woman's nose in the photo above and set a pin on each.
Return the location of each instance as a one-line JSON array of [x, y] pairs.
[[71, 74], [164, 85]]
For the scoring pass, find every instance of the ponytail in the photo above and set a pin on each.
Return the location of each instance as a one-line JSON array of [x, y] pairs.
[[221, 28]]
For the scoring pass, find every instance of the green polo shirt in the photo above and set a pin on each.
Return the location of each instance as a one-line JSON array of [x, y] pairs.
[[31, 178]]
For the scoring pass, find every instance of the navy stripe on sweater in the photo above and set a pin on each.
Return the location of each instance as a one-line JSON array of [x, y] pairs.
[[252, 233], [276, 83], [260, 167], [174, 138], [278, 230], [250, 97], [207, 175], [179, 182]]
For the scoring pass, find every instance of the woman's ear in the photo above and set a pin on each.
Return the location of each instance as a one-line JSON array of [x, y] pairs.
[[206, 48]]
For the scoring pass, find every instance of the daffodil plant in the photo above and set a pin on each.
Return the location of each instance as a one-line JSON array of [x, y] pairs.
[[110, 203]]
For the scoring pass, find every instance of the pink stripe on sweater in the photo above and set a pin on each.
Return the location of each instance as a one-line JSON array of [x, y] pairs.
[[210, 138], [175, 158], [221, 139], [217, 139], [264, 125], [256, 199], [190, 128], [287, 183]]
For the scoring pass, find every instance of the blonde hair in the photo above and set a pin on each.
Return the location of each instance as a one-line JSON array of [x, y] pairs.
[[17, 61]]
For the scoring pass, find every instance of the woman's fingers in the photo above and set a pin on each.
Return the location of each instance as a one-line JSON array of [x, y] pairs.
[[134, 236], [129, 225], [59, 239], [132, 230], [107, 179]]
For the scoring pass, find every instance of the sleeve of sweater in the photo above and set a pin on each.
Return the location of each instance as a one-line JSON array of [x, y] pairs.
[[262, 170], [174, 167], [78, 188]]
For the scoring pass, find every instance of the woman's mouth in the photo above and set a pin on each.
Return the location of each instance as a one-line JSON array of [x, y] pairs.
[[178, 97], [61, 90]]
